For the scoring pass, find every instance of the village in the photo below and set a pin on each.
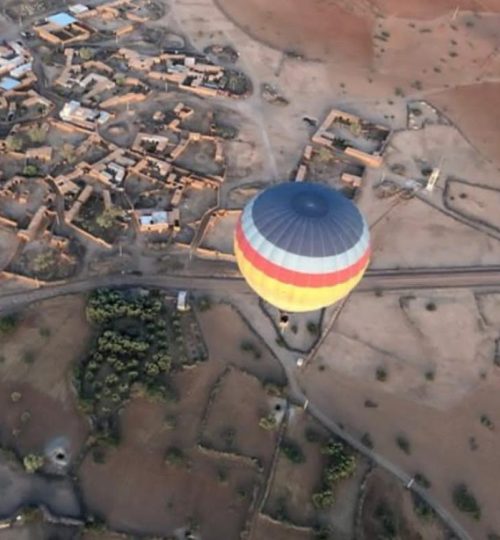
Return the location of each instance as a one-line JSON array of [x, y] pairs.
[[82, 176], [145, 390], [61, 199]]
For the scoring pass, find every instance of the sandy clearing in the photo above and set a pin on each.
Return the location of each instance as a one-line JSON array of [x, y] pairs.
[[414, 235], [411, 341], [154, 498], [47, 421], [56, 333], [326, 30], [265, 529], [224, 343], [428, 9], [475, 109], [220, 232], [440, 440], [240, 403]]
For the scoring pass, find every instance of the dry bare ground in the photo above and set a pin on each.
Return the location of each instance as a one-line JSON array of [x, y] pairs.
[[265, 529], [157, 496], [437, 352], [37, 362]]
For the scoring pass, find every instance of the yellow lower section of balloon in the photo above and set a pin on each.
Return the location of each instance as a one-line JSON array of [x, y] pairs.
[[290, 297]]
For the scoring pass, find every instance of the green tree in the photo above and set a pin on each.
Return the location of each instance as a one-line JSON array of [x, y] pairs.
[[30, 170], [44, 262], [14, 143], [86, 53], [108, 218], [37, 134]]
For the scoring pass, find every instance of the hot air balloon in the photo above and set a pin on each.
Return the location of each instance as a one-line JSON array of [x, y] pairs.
[[301, 246]]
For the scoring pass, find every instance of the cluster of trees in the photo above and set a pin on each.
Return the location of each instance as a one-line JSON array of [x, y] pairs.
[[131, 348], [340, 465], [105, 305]]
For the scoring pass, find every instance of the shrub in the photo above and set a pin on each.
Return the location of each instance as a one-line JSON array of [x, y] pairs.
[[292, 451], [465, 501], [15, 397], [14, 143], [28, 357], [323, 499], [204, 303], [86, 53], [8, 323], [248, 346], [175, 456], [228, 435], [369, 404], [486, 421], [268, 422], [222, 475], [430, 306], [312, 435], [99, 454], [385, 516], [32, 463], [403, 443], [37, 134], [322, 532], [44, 332], [30, 170], [341, 464], [421, 508], [313, 328], [367, 440], [422, 480], [381, 374], [430, 374], [280, 341]]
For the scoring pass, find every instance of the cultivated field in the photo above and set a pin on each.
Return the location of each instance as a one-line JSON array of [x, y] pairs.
[[232, 424], [225, 340]]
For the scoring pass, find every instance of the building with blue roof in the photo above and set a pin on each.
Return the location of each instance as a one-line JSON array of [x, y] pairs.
[[62, 19], [8, 83]]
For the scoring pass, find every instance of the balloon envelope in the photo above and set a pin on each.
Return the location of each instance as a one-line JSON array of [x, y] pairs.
[[301, 246]]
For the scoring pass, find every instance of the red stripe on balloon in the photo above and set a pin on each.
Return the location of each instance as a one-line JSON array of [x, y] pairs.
[[292, 277]]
